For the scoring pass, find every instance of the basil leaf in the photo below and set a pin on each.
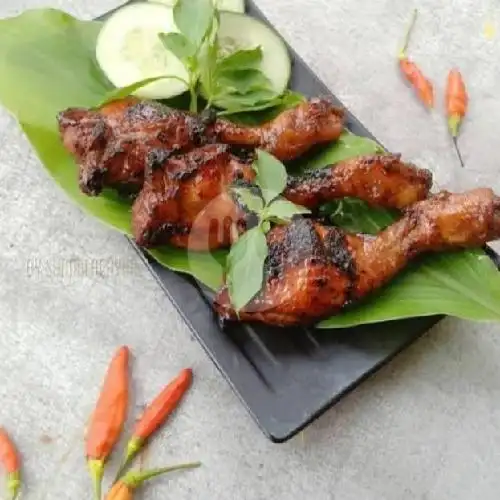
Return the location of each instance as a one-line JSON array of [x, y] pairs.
[[237, 102], [122, 92], [271, 175], [290, 99], [284, 210], [244, 81], [240, 60], [356, 216], [178, 44], [238, 109], [347, 146], [251, 201], [194, 18], [271, 109], [207, 63], [246, 267]]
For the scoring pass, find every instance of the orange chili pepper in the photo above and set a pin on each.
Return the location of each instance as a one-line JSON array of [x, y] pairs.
[[157, 413], [457, 100], [9, 458], [125, 487], [413, 74], [108, 418]]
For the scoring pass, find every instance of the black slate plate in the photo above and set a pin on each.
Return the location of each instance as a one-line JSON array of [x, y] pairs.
[[288, 378]]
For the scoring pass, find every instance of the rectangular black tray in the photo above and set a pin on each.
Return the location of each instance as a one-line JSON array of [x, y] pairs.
[[288, 378]]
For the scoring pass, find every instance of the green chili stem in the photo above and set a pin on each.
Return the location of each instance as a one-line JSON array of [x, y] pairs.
[[402, 52], [135, 479], [96, 468]]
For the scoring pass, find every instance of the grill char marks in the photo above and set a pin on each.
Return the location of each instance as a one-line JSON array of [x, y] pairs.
[[321, 270], [397, 184], [292, 133], [114, 145], [186, 203], [380, 180]]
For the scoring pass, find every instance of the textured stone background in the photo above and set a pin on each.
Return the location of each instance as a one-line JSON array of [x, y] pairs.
[[425, 427]]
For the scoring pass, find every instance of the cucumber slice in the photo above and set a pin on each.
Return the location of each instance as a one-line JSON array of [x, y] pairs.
[[240, 31], [128, 50], [229, 5]]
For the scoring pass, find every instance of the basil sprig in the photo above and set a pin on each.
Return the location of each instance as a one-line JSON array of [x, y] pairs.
[[246, 259], [232, 82]]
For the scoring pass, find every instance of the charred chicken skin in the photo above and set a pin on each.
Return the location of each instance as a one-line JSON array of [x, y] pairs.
[[187, 201], [313, 271], [291, 134], [382, 180], [114, 145]]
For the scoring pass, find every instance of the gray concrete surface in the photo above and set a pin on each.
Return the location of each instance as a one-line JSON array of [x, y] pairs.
[[425, 427]]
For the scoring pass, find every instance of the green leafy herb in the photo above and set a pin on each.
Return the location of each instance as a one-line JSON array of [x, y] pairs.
[[194, 18], [284, 210], [123, 92], [253, 202], [241, 60], [356, 216], [271, 175], [233, 82], [237, 84], [265, 112], [245, 264], [347, 146], [179, 45]]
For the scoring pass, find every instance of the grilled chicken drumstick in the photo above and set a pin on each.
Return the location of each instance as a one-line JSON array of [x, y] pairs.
[[187, 201], [115, 144], [382, 180], [313, 271], [289, 135]]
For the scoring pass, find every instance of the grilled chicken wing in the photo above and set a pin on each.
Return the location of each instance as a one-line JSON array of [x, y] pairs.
[[292, 133], [313, 271], [187, 201], [114, 144]]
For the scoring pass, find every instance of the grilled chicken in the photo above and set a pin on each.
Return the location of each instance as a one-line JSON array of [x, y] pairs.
[[291, 134], [187, 202], [114, 145], [313, 271], [382, 180]]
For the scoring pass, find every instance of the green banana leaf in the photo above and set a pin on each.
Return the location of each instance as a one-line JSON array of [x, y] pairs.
[[47, 64], [463, 284]]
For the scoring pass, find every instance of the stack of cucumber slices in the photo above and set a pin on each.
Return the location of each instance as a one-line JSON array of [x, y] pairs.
[[129, 50]]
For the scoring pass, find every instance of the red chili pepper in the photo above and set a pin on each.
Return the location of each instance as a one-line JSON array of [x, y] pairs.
[[9, 459], [413, 74], [108, 418], [457, 100], [157, 413], [124, 488], [457, 103]]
